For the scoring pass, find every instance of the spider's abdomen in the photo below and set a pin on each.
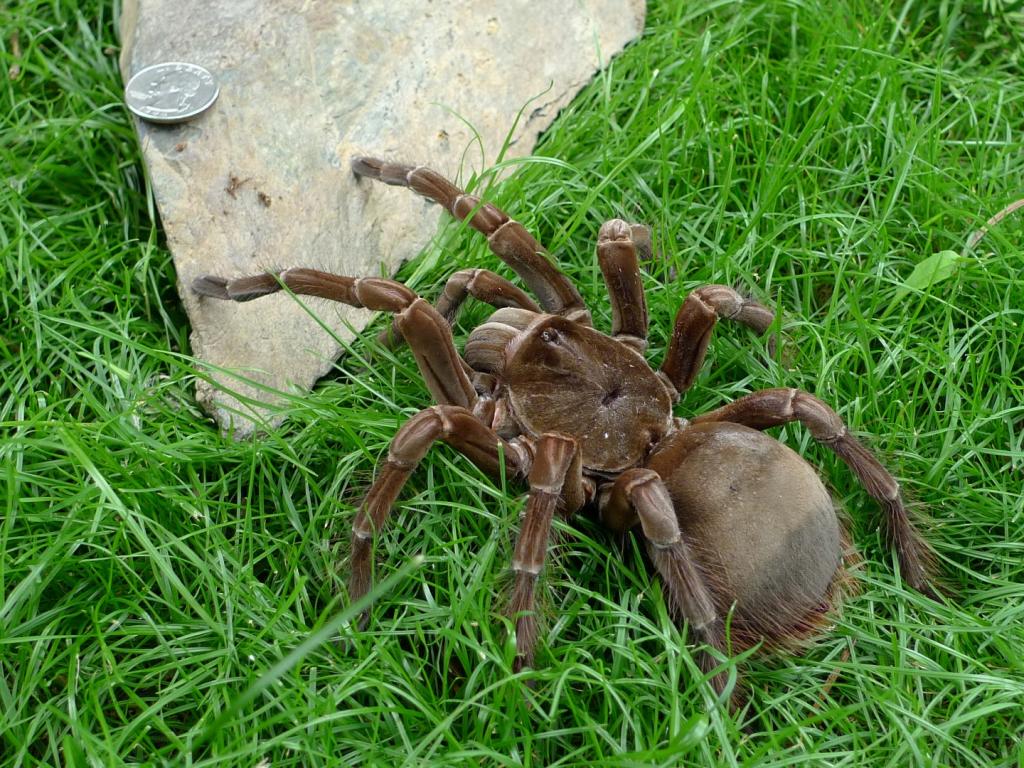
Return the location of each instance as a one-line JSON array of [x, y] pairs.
[[760, 521], [568, 378]]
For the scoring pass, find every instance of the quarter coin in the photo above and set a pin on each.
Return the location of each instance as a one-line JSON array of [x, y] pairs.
[[171, 92]]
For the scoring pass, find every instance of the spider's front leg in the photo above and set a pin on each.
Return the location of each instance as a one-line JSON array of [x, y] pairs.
[[555, 474], [508, 239], [428, 334]]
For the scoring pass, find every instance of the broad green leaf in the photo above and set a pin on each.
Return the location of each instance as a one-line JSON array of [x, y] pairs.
[[936, 268]]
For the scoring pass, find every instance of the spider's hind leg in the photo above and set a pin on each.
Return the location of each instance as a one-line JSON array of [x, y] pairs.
[[774, 407], [642, 492]]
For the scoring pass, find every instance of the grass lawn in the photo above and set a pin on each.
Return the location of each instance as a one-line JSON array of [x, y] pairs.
[[170, 596]]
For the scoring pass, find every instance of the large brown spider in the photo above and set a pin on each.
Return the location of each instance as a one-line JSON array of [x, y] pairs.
[[733, 520]]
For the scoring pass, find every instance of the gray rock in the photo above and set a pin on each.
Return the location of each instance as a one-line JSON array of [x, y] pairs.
[[262, 181]]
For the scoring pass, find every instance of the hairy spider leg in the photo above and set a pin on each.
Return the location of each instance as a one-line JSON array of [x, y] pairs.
[[696, 318], [556, 479], [483, 285], [641, 493], [430, 338], [617, 256], [507, 238], [774, 407], [451, 424], [555, 473]]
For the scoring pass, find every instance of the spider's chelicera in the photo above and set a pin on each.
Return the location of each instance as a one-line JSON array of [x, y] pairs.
[[732, 519]]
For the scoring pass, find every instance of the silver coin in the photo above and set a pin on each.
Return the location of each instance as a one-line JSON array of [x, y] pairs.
[[172, 92]]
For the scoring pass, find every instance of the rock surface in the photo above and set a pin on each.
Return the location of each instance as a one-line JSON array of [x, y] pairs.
[[262, 181]]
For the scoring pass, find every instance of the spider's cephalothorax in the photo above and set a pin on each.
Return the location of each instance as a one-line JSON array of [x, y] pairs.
[[619, 408], [733, 520]]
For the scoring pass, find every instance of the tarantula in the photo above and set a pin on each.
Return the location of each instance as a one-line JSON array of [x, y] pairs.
[[732, 519]]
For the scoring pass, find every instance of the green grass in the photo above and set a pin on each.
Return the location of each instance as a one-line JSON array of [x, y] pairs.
[[168, 594]]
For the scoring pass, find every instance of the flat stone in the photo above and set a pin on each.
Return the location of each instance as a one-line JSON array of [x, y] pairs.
[[262, 181]]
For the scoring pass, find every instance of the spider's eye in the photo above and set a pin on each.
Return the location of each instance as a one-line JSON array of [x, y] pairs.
[[550, 335]]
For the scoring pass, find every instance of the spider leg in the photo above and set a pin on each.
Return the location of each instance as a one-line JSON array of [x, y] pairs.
[[617, 254], [481, 284], [556, 477], [695, 321], [451, 424], [429, 335], [508, 239], [774, 407], [641, 493]]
